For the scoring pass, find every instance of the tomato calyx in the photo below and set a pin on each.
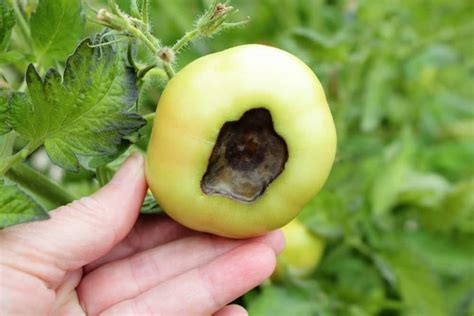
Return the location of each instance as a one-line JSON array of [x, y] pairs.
[[247, 157]]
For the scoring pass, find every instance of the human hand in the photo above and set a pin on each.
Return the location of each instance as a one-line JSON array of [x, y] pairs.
[[94, 257]]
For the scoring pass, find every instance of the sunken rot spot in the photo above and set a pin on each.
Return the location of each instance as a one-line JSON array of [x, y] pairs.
[[247, 157]]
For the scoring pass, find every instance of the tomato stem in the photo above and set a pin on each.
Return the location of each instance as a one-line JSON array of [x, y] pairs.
[[185, 40], [9, 161], [24, 27], [38, 184]]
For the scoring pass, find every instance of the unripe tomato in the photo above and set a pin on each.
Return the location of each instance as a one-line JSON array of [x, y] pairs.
[[303, 250], [242, 140]]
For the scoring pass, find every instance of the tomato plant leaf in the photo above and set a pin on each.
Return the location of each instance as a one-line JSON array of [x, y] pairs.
[[287, 300], [56, 27], [7, 21], [83, 112], [418, 285], [387, 184], [4, 99], [150, 206], [17, 207]]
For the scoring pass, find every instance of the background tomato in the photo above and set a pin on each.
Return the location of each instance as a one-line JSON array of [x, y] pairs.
[[302, 253]]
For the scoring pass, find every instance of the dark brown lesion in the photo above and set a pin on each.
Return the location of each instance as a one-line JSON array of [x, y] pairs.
[[247, 157]]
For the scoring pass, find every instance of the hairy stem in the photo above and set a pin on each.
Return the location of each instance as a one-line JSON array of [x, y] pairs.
[[185, 40], [39, 184], [169, 70]]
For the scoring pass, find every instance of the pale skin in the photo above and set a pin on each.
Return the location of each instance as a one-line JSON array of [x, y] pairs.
[[96, 256]]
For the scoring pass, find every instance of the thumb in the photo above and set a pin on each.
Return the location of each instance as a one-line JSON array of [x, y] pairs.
[[80, 232]]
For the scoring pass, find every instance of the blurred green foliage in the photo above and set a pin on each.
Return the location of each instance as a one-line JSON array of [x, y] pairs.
[[398, 209]]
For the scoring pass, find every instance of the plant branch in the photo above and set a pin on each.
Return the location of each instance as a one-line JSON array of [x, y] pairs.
[[24, 27], [39, 184], [156, 71], [213, 20], [130, 58], [8, 162], [185, 40]]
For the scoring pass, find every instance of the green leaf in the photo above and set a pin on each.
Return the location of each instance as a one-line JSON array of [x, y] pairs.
[[388, 183], [449, 254], [277, 300], [7, 21], [14, 57], [84, 113], [150, 206], [4, 100], [417, 284], [456, 211], [17, 207], [56, 27], [377, 86], [423, 189]]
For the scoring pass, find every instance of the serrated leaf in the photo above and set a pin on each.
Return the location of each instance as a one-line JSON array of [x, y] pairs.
[[8, 99], [7, 21], [56, 27], [17, 207], [84, 113]]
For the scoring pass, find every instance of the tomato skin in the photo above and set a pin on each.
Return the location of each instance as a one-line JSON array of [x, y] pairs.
[[219, 88], [302, 253]]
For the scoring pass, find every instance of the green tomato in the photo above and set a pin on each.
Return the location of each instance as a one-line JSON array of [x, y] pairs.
[[302, 253], [242, 140]]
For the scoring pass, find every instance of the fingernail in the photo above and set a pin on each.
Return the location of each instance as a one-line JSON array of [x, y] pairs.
[[130, 169]]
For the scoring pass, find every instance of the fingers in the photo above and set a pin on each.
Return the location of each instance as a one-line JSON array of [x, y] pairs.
[[14, 285], [80, 232], [125, 279], [149, 231], [232, 310], [205, 289]]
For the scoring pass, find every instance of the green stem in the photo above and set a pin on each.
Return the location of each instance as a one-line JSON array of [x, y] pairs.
[[142, 72], [10, 161], [39, 184], [7, 147], [169, 70], [144, 11], [139, 34], [156, 71], [24, 27], [153, 46], [183, 41], [131, 61]]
